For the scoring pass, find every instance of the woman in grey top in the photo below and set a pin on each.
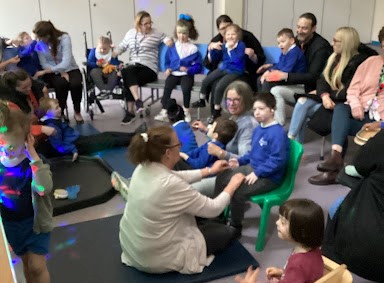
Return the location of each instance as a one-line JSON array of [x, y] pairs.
[[238, 98], [60, 70]]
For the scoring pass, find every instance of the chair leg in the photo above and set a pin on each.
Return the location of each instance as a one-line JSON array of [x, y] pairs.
[[322, 148], [260, 241]]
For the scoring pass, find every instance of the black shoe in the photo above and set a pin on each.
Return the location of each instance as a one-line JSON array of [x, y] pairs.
[[128, 118], [216, 114], [198, 104], [139, 106], [64, 118], [141, 129]]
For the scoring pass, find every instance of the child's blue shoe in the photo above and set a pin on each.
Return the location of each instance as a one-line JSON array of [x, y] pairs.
[[73, 191]]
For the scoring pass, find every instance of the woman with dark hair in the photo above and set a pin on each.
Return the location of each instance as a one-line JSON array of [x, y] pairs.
[[254, 60], [60, 70], [158, 230]]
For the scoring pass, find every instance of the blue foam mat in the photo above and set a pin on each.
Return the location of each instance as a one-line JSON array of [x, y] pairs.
[[90, 252]]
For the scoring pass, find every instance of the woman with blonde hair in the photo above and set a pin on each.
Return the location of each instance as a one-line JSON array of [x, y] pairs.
[[348, 54]]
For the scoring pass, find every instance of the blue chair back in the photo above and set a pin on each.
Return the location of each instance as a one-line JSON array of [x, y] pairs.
[[272, 54]]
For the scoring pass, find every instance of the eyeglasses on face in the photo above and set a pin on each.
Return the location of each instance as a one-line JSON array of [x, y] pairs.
[[180, 144], [233, 100], [147, 23]]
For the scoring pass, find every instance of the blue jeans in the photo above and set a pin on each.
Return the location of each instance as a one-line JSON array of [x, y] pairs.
[[344, 125], [304, 109]]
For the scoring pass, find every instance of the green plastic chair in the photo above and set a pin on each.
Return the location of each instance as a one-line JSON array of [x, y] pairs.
[[279, 195]]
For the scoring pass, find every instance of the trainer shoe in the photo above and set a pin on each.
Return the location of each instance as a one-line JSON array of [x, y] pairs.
[[139, 106], [128, 118], [187, 118], [198, 104], [162, 116]]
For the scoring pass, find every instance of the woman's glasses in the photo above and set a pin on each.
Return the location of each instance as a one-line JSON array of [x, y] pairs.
[[233, 100], [180, 144]]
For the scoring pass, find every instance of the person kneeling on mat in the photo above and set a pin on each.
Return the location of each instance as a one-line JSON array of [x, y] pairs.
[[66, 140], [158, 230]]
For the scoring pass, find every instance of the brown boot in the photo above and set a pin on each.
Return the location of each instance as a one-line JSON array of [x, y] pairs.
[[334, 163], [323, 179]]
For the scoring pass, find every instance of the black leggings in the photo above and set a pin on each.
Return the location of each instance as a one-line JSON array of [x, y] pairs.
[[136, 75], [186, 83], [90, 144], [217, 236], [62, 86]]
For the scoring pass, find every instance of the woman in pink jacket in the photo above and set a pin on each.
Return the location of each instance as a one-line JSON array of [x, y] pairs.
[[365, 104]]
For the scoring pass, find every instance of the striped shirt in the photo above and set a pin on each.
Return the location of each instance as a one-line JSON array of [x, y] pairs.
[[143, 48]]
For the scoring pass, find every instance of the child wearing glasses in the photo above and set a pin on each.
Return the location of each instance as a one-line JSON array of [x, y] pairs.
[[182, 61]]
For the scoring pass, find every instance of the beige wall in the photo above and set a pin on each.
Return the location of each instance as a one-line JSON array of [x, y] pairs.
[[378, 19]]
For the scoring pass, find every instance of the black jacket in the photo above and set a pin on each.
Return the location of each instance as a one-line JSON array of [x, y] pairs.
[[316, 52]]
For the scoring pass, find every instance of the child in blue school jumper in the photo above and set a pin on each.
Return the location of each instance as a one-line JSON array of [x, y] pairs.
[[233, 57], [102, 66], [25, 194], [221, 133], [292, 60], [182, 62], [264, 165], [29, 60], [183, 130], [66, 140]]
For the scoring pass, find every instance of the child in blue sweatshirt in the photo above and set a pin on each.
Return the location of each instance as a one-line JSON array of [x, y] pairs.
[[182, 61], [221, 133], [233, 57], [29, 60], [292, 60], [264, 165]]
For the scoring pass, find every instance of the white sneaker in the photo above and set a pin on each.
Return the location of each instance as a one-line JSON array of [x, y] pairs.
[[162, 116], [187, 118]]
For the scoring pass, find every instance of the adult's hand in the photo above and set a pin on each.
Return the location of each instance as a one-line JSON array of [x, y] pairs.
[[233, 163], [250, 276], [219, 166], [215, 45], [198, 125], [273, 272], [328, 102], [276, 76], [358, 113], [65, 76], [169, 42]]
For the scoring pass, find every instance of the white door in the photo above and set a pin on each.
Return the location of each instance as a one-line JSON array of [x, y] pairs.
[[202, 13], [71, 16], [15, 19], [163, 13], [114, 16]]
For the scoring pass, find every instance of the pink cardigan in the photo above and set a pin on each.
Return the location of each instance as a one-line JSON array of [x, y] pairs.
[[364, 85]]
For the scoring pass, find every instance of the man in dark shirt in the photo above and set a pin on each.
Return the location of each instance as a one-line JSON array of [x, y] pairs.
[[316, 50]]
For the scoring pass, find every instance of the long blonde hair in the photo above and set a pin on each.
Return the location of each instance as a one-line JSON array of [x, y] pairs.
[[350, 42]]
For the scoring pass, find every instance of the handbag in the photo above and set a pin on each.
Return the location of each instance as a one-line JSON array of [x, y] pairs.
[[321, 122]]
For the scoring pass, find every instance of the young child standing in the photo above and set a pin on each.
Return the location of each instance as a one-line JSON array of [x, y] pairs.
[[232, 54], [103, 66], [221, 133], [292, 59], [264, 165], [182, 61], [301, 222], [25, 203], [66, 140]]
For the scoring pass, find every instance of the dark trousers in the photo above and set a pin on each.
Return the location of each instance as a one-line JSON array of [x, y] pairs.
[[243, 193], [223, 80], [344, 125], [136, 75], [90, 144], [62, 86], [217, 236], [186, 83]]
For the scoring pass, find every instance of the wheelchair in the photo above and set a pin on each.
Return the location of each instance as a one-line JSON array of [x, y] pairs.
[[91, 98]]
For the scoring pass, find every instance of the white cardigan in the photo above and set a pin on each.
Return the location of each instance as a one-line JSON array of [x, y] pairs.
[[158, 231]]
